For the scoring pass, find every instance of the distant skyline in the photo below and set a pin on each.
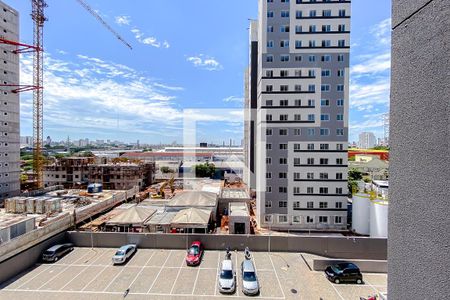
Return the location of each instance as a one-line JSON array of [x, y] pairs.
[[187, 56]]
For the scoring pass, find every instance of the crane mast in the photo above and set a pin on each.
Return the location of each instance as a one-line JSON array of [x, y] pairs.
[[39, 18]]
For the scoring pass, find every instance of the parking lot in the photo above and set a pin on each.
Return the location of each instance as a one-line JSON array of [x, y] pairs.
[[162, 274]]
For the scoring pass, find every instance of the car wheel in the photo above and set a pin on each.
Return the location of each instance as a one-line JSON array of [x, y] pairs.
[[337, 281], [359, 281]]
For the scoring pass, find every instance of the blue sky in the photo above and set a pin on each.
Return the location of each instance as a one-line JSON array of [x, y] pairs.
[[188, 56]]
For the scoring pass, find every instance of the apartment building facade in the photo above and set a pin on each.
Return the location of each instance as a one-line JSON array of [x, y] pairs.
[[9, 105], [367, 140], [302, 114]]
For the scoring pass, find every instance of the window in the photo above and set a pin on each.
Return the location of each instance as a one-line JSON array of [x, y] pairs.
[[310, 146], [339, 147], [311, 132], [297, 117], [326, 58], [268, 219], [342, 13], [311, 103], [268, 117], [284, 102], [296, 176], [310, 175], [312, 58], [282, 175], [339, 191], [268, 160], [309, 204], [325, 87], [284, 73], [326, 28], [323, 204], [298, 44], [325, 117], [270, 14], [324, 161], [312, 73], [268, 175], [269, 73], [312, 13], [324, 102], [309, 220], [324, 146], [268, 204], [268, 146], [283, 132], [269, 190], [283, 146], [337, 220], [298, 29], [282, 219], [269, 88], [282, 203], [269, 1], [284, 44], [269, 58], [340, 102], [284, 58], [312, 28], [310, 190], [326, 73], [326, 13], [283, 160], [310, 161], [340, 117], [326, 43], [285, 28], [312, 43], [338, 205], [323, 219], [340, 87], [341, 73], [296, 219], [323, 175], [311, 117], [341, 28], [340, 131], [323, 190], [298, 58], [285, 14], [298, 88], [339, 161], [269, 44], [297, 131], [298, 102], [341, 57], [269, 28], [324, 131], [298, 14], [283, 117], [296, 161], [296, 192], [311, 88]]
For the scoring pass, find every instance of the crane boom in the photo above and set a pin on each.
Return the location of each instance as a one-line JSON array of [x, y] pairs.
[[100, 19]]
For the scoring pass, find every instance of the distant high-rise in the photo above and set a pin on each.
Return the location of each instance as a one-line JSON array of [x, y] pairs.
[[300, 83], [9, 106], [367, 140]]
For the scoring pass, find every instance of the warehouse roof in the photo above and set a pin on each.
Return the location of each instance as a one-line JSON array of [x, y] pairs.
[[194, 199], [133, 215], [192, 217]]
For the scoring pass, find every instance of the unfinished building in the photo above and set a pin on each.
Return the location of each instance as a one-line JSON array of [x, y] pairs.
[[69, 172]]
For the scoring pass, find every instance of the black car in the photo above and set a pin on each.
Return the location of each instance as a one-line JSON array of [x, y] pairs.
[[54, 253], [344, 272]]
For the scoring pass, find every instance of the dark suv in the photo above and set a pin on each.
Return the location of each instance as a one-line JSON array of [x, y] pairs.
[[54, 253], [344, 272]]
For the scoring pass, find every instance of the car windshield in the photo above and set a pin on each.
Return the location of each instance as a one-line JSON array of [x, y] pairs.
[[249, 276], [47, 252], [226, 274], [120, 253], [336, 269], [194, 250]]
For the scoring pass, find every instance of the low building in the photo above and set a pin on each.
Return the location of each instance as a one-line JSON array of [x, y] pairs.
[[161, 222], [378, 169], [192, 220], [122, 176], [170, 156], [239, 218], [228, 196], [68, 171], [132, 219], [12, 226], [194, 199]]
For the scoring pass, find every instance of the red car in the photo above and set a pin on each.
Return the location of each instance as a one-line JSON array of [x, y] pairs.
[[194, 254]]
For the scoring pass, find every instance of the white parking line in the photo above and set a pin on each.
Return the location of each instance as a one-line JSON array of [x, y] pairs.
[[45, 269], [176, 278], [335, 289], [93, 279], [195, 282], [217, 275], [256, 269], [85, 268], [237, 270], [160, 270], [115, 277], [142, 269], [278, 278]]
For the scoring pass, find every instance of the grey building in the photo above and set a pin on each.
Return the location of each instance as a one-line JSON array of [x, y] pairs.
[[301, 121], [9, 105], [367, 140]]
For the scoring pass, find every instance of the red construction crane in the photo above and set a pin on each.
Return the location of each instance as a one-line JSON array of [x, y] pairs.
[[38, 16]]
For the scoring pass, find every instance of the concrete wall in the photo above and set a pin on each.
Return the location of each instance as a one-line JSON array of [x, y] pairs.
[[26, 259], [419, 236], [335, 247], [369, 266]]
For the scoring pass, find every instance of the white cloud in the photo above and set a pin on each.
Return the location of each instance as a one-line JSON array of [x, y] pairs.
[[123, 20], [373, 123], [234, 99], [374, 64], [205, 62], [382, 32], [151, 41], [364, 95]]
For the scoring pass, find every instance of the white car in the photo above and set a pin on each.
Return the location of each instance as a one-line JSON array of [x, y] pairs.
[[250, 284], [227, 277], [123, 254]]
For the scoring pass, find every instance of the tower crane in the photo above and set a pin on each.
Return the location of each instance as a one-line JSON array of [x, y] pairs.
[[39, 18]]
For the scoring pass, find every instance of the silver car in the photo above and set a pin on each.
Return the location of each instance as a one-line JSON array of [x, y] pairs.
[[227, 277], [250, 284], [123, 254]]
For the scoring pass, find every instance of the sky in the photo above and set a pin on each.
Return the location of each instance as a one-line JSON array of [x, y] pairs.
[[187, 64]]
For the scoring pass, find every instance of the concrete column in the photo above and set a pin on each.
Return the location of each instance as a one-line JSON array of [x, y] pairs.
[[419, 216]]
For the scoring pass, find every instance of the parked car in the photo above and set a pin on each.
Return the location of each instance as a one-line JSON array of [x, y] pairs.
[[250, 284], [344, 272], [227, 277], [55, 252], [123, 254], [194, 254]]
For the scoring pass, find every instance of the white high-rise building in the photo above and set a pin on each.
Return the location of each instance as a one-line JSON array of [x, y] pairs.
[[9, 105], [367, 140], [301, 125]]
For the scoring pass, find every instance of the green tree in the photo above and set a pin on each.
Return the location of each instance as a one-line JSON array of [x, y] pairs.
[[204, 170], [354, 175], [166, 170]]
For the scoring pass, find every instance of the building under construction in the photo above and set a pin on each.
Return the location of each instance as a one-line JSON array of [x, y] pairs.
[[68, 171]]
